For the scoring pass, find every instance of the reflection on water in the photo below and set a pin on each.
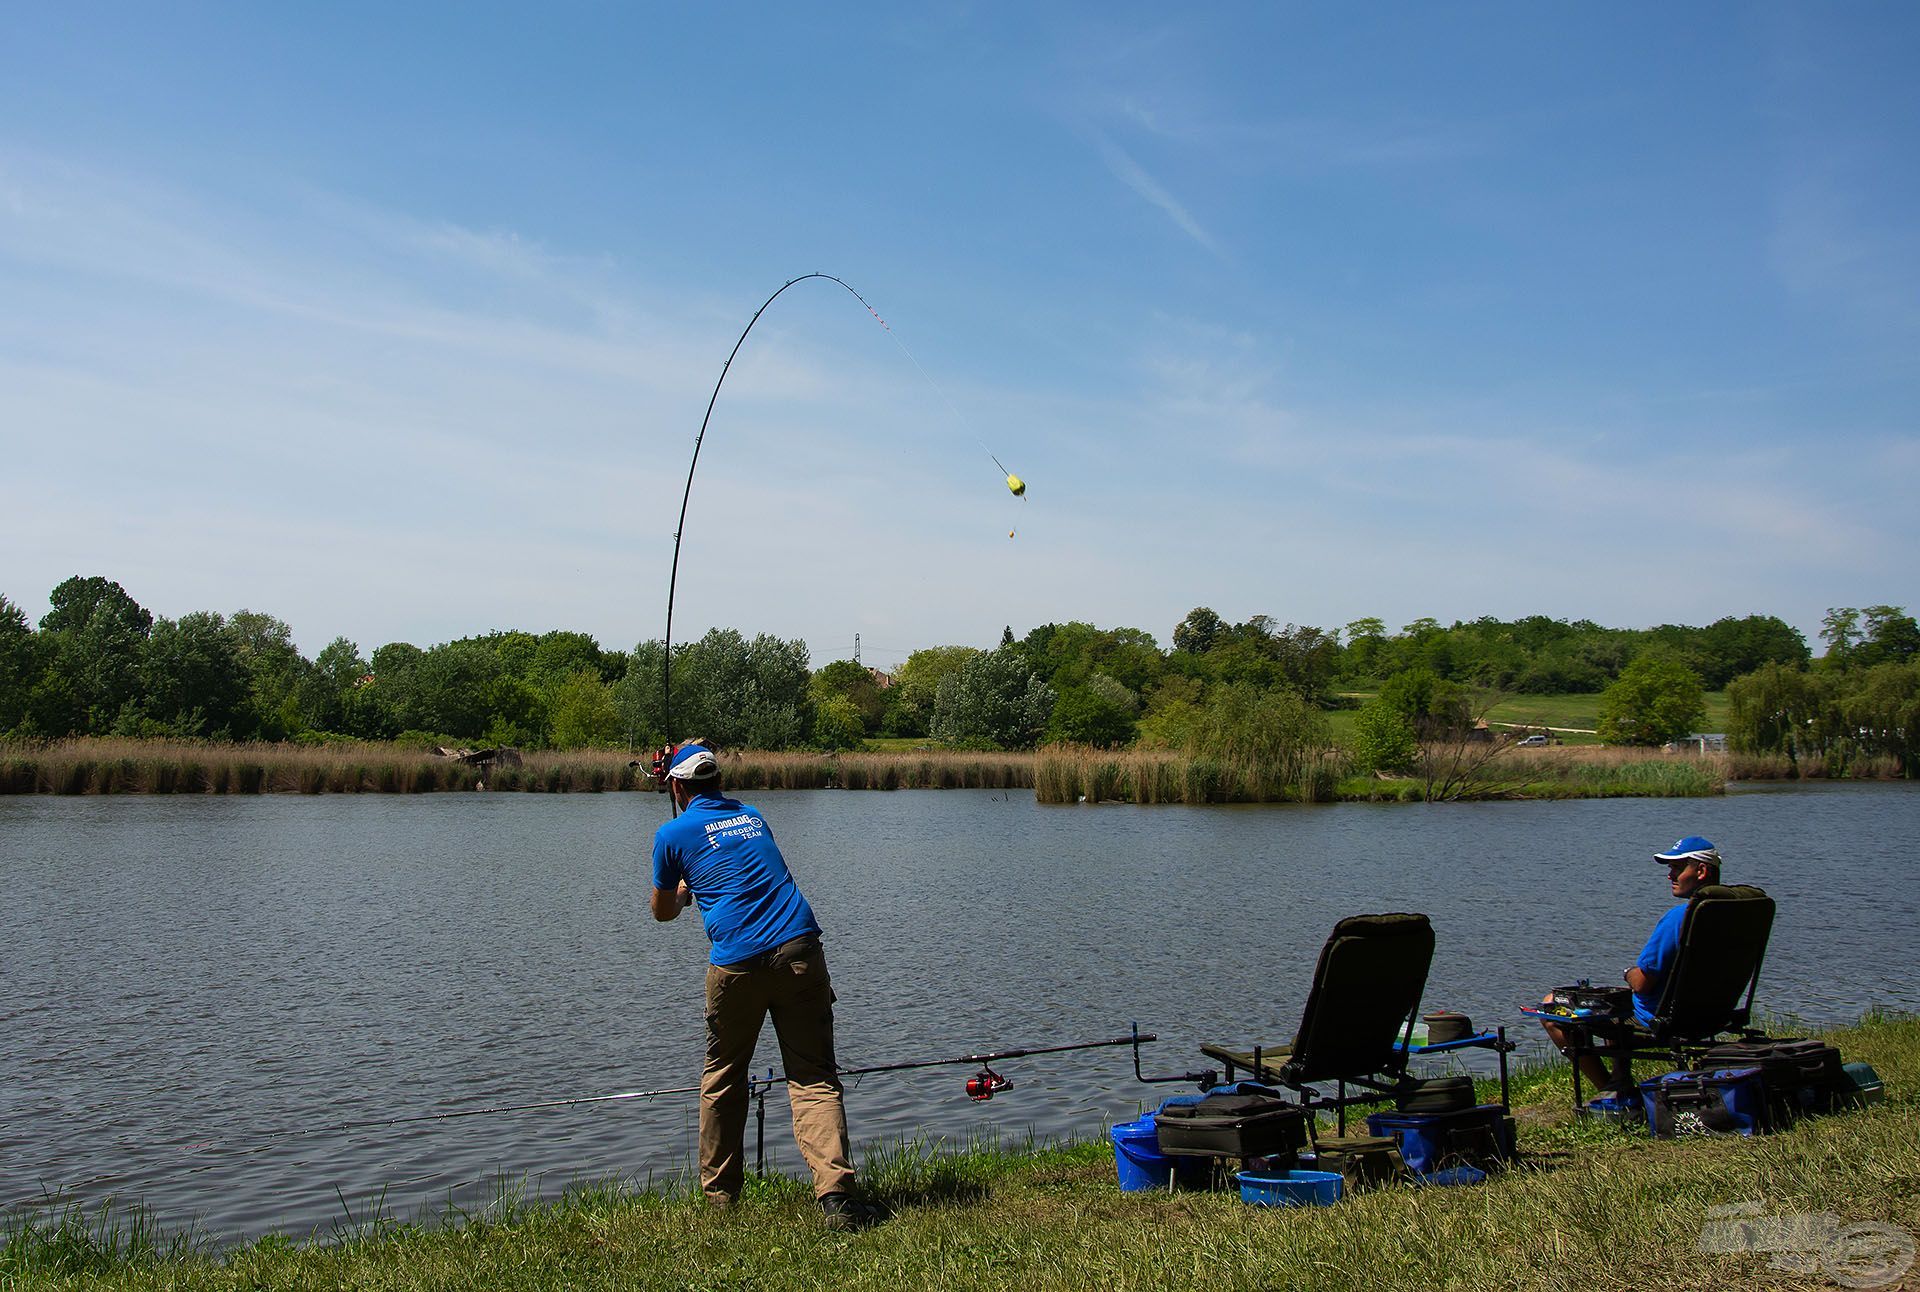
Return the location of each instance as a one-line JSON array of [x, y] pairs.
[[195, 989]]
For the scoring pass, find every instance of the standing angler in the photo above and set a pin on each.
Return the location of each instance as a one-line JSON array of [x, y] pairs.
[[766, 959]]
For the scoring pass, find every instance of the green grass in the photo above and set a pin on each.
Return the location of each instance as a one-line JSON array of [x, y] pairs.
[[1588, 1208], [1581, 712]]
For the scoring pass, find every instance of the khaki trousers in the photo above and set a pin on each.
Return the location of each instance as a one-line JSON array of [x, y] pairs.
[[791, 984]]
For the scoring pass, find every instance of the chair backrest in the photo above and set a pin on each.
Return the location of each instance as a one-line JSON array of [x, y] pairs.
[[1366, 990], [1723, 938]]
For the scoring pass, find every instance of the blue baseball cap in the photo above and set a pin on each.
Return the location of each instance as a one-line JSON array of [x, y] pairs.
[[1691, 848], [693, 763]]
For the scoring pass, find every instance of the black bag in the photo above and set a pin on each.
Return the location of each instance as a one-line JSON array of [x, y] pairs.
[[1360, 1160], [1240, 1125], [1721, 1101], [1437, 1095], [1800, 1076]]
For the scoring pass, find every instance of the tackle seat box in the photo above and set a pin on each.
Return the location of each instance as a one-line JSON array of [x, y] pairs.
[[1232, 1125], [1720, 1101], [1481, 1137]]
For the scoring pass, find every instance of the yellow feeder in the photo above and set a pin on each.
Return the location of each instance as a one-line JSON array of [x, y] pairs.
[[1016, 485]]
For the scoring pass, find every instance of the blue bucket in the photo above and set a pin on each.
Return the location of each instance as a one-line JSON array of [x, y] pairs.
[[1290, 1188], [1141, 1164]]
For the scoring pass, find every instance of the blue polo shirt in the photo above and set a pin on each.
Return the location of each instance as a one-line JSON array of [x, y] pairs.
[[747, 898], [1656, 958]]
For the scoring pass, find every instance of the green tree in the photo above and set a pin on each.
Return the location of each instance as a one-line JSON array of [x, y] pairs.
[[274, 670], [1383, 738], [1172, 714], [996, 699], [1881, 709], [916, 682], [1731, 647], [1774, 710], [1274, 735], [96, 636], [20, 665], [1656, 699], [1099, 711], [1199, 631], [193, 681], [742, 694], [1840, 630], [837, 723], [583, 711], [1888, 636], [1366, 638], [850, 681], [329, 691]]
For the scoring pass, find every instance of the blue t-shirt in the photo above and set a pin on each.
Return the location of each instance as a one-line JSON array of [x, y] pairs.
[[1656, 958], [746, 894]]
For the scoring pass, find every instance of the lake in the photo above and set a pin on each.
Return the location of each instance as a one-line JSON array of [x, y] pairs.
[[192, 990]]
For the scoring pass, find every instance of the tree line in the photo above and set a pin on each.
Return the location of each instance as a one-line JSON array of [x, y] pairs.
[[98, 663]]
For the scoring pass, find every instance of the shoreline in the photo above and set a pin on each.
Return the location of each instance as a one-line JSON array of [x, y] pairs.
[[1057, 774], [1586, 1206]]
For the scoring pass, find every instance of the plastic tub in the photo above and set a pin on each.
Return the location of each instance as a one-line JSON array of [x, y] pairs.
[[1141, 1165], [1290, 1188]]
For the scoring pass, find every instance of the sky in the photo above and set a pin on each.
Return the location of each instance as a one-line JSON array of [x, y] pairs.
[[399, 322]]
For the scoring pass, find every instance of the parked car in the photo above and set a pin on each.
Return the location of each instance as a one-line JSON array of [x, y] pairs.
[[1531, 741]]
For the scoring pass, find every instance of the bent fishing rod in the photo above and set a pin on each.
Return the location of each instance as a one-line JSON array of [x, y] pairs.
[[1015, 485], [680, 526]]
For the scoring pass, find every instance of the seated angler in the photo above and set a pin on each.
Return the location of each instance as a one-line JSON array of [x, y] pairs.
[[1691, 864]]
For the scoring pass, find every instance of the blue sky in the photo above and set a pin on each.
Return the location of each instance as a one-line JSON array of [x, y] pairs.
[[400, 325]]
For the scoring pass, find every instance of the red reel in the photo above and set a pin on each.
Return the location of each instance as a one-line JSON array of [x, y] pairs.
[[984, 1084]]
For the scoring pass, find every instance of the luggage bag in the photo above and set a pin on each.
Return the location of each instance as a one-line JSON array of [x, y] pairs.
[[1233, 1125], [1801, 1077]]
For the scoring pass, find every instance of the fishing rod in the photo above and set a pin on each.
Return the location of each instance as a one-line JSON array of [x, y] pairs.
[[980, 1087], [1015, 485], [680, 526]]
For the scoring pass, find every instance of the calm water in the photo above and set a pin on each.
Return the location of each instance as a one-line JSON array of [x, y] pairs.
[[191, 989]]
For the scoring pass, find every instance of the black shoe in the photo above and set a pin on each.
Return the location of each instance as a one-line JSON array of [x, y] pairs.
[[845, 1214]]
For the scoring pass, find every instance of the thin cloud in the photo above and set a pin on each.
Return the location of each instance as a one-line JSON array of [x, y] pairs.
[[1130, 173]]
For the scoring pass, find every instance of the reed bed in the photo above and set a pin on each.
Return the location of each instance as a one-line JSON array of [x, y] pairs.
[[118, 766], [1615, 773], [1078, 774], [1839, 766], [1083, 774]]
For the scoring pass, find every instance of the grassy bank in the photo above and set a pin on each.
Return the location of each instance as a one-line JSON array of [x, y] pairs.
[[1586, 1208], [115, 766]]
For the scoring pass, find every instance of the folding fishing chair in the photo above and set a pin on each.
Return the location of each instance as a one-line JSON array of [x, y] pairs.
[[1358, 1019], [1708, 993]]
